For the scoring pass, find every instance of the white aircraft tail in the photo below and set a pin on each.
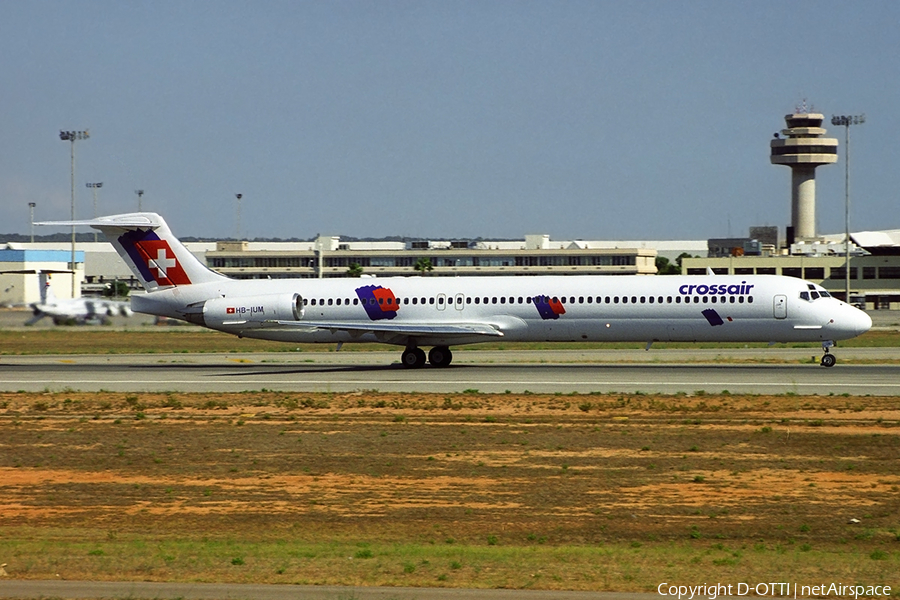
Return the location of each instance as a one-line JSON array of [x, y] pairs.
[[47, 295], [146, 244]]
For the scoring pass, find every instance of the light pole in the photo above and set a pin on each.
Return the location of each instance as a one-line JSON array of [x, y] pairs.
[[71, 136], [31, 206], [238, 236], [847, 121], [95, 187], [140, 195]]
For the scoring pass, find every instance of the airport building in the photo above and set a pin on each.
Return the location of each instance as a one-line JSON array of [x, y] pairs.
[[19, 269]]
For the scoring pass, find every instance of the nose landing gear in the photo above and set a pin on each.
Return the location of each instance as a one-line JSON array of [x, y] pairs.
[[828, 360]]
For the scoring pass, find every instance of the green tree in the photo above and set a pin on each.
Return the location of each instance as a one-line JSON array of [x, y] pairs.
[[354, 270], [117, 289], [423, 266], [664, 267]]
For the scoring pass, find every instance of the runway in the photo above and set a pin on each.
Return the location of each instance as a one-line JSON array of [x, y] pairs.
[[663, 371]]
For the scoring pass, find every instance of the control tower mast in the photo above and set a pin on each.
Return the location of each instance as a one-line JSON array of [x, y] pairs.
[[803, 148]]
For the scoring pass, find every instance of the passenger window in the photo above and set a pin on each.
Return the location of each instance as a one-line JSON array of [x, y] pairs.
[[634, 299], [572, 300], [668, 299], [740, 299], [477, 300], [431, 301], [502, 299], [624, 299], [521, 300], [580, 299], [731, 299], [415, 300], [468, 300], [651, 299], [616, 300], [677, 299], [643, 299], [660, 300], [605, 300], [750, 299], [590, 299]]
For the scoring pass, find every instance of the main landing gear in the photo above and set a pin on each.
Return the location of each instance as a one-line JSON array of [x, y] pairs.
[[828, 360], [414, 358]]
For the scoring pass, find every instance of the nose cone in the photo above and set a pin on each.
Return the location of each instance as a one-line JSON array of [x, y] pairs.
[[852, 322], [863, 321]]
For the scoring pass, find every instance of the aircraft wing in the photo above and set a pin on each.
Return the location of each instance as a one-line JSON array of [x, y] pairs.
[[406, 329]]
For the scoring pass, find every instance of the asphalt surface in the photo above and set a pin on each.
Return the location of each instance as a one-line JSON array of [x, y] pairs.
[[662, 371], [214, 591]]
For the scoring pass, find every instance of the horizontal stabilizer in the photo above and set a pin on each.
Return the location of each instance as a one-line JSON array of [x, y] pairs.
[[128, 221]]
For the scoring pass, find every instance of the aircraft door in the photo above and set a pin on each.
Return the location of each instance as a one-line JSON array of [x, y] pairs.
[[460, 301], [780, 306], [441, 301]]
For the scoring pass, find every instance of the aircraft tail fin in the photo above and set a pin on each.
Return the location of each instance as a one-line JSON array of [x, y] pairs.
[[47, 295], [155, 256]]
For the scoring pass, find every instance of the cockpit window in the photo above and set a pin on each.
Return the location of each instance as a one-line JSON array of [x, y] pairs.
[[804, 295], [815, 295], [825, 294]]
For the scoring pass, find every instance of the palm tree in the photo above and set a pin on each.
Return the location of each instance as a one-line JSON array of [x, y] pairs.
[[423, 266], [354, 270]]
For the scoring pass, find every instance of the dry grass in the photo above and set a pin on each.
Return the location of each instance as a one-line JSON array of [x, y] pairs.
[[590, 492]]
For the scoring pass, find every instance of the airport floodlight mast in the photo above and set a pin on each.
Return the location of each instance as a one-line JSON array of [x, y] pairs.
[[95, 187], [237, 236], [72, 136], [847, 121], [31, 206], [140, 195]]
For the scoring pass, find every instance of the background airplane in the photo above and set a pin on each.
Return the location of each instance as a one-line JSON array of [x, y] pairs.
[[79, 311], [444, 311]]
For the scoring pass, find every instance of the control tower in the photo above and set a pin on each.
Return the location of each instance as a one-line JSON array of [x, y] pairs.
[[802, 147]]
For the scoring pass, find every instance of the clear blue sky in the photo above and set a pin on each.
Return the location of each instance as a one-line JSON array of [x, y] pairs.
[[592, 120]]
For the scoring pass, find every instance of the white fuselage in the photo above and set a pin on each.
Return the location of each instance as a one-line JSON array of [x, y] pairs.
[[748, 308]]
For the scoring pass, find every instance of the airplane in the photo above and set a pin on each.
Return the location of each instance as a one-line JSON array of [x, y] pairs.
[[75, 310], [441, 312]]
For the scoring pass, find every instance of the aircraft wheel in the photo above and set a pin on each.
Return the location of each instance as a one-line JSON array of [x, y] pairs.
[[440, 356], [413, 358], [828, 360]]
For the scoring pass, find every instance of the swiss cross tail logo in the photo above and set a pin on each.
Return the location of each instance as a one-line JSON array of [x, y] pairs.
[[229, 310], [153, 257]]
